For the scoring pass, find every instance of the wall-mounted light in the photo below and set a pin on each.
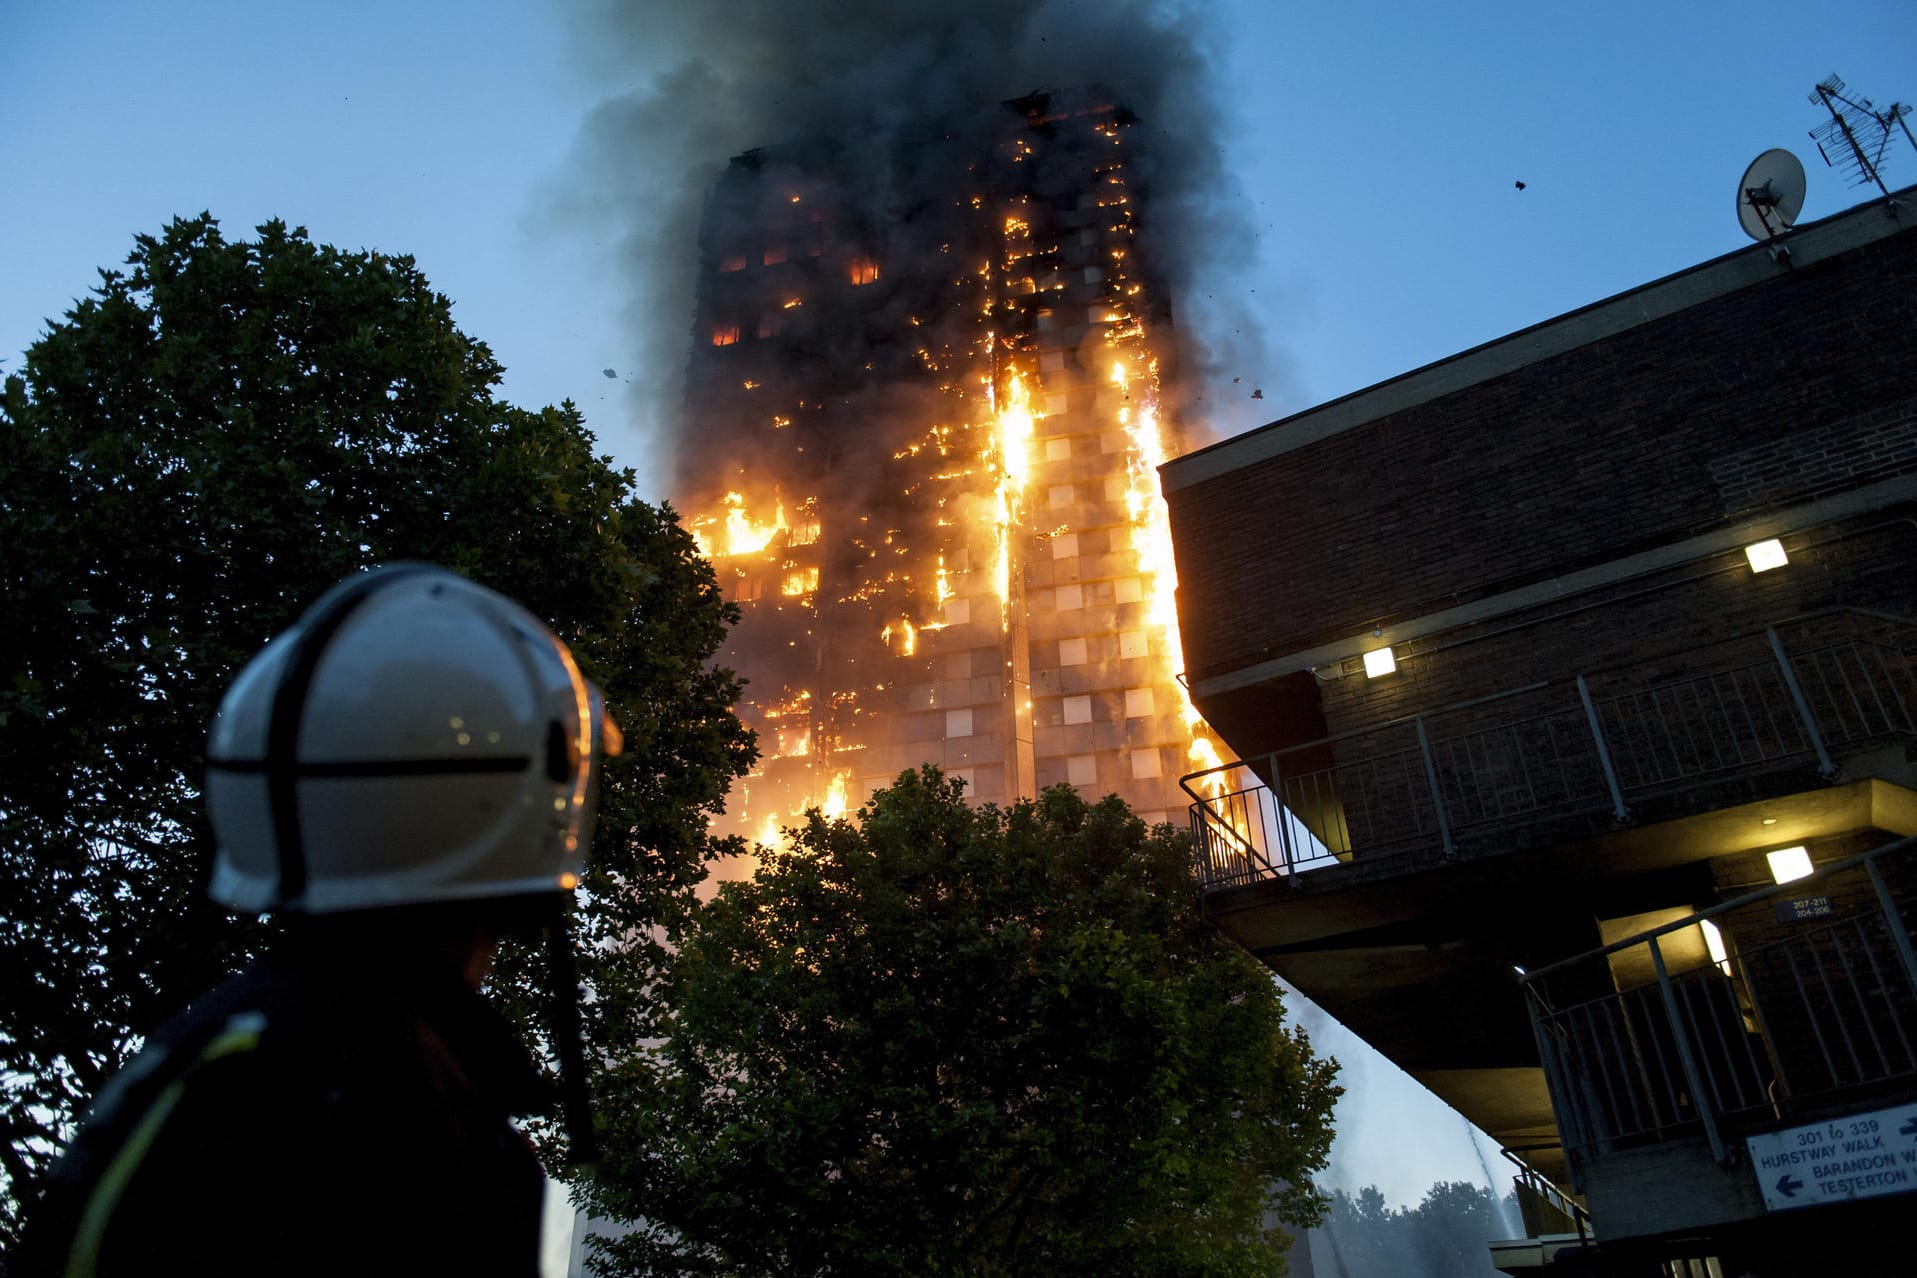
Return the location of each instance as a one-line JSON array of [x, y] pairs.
[[1766, 555], [1714, 945], [1379, 661], [1789, 864]]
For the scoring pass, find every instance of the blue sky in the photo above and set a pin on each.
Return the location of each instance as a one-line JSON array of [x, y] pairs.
[[1376, 147]]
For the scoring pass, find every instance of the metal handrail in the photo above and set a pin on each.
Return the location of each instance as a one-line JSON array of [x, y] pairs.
[[1579, 754], [1654, 1060], [1546, 1189], [1796, 887]]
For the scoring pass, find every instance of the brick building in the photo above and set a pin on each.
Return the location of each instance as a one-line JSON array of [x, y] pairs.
[[1520, 722]]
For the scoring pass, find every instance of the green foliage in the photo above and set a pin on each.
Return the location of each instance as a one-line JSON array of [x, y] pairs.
[[188, 458], [1444, 1236], [951, 1041]]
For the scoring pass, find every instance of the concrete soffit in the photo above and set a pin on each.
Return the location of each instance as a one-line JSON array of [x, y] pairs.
[[1777, 523]]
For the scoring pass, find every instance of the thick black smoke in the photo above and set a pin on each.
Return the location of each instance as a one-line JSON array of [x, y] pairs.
[[697, 83]]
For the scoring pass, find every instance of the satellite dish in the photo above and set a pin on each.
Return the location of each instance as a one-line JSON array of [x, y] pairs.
[[1770, 195]]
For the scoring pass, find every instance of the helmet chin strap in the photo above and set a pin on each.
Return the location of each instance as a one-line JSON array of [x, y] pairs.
[[568, 1040]]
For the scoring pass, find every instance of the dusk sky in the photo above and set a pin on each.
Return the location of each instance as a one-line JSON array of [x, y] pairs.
[[1377, 150]]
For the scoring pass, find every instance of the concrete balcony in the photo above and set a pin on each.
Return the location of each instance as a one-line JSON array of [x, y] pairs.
[[1685, 1062], [1579, 756], [1403, 876]]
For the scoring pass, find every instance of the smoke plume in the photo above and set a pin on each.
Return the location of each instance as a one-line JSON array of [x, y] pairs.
[[693, 85]]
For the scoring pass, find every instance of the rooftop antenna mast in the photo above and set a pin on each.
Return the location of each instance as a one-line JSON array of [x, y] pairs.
[[1858, 132]]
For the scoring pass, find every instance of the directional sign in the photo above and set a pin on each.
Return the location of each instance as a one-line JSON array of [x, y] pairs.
[[1798, 909], [1856, 1156]]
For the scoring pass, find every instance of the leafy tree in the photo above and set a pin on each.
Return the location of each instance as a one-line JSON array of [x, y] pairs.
[[186, 460], [1444, 1236], [940, 1040]]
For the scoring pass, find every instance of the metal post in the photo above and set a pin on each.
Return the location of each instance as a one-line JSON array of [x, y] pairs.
[[1437, 799], [1559, 1085], [1894, 921], [1825, 768], [1618, 809], [1277, 789], [1691, 1076]]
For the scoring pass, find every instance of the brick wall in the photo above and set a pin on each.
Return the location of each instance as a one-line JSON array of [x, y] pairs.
[[1704, 615], [1792, 389]]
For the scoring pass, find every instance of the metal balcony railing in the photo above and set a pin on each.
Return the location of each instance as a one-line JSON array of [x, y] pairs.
[[1545, 1208], [1790, 1022], [1592, 744]]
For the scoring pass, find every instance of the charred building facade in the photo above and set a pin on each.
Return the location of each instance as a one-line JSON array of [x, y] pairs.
[[922, 432], [1573, 686]]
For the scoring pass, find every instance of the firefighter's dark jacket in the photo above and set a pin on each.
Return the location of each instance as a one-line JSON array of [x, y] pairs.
[[306, 1118]]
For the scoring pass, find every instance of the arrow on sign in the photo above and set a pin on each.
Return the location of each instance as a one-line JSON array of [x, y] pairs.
[[1908, 1129], [1788, 1185]]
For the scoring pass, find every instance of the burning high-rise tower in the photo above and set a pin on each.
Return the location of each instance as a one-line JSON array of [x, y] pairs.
[[922, 430]]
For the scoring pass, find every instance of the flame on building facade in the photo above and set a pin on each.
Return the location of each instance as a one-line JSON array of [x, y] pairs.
[[923, 426]]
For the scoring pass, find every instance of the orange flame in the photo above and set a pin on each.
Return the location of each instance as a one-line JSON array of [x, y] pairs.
[[1016, 426], [908, 637], [833, 806], [743, 535]]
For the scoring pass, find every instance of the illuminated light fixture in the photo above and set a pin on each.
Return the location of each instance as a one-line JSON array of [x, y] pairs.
[[1714, 945], [1766, 555], [1789, 864], [1379, 661]]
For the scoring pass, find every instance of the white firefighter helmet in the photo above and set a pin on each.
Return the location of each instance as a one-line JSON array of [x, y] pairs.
[[413, 738]]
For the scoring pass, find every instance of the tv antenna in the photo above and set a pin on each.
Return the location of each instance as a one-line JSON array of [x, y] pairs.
[[1770, 195], [1858, 132]]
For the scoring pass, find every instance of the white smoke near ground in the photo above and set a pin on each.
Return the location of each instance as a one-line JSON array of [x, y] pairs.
[[690, 86], [1391, 1132]]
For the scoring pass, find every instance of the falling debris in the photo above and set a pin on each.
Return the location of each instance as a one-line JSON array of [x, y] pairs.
[[1258, 392], [611, 373], [1520, 186]]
